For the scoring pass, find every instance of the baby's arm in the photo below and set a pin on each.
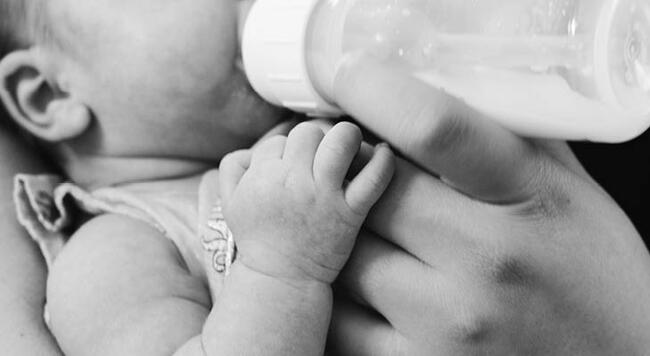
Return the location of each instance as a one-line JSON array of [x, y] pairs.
[[295, 221], [258, 314], [120, 288]]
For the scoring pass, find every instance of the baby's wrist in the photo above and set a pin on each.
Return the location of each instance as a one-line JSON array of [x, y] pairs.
[[289, 267], [273, 284]]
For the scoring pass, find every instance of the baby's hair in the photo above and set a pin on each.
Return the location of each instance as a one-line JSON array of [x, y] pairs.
[[22, 24]]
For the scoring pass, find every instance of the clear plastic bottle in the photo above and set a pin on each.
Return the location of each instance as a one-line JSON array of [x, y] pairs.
[[566, 69]]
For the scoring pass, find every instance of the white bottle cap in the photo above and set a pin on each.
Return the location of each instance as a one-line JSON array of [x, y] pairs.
[[273, 52]]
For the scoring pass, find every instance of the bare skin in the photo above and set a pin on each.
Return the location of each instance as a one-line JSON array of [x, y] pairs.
[[571, 270], [296, 223], [22, 269], [514, 250]]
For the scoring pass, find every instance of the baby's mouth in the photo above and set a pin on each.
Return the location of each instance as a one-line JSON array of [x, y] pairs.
[[239, 63]]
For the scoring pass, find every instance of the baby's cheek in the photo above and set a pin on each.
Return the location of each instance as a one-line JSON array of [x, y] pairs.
[[206, 56], [193, 48]]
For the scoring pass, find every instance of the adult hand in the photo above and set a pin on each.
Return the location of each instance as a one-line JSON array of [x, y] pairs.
[[492, 244]]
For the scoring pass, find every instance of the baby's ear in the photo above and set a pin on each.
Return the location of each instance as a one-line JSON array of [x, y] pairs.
[[37, 104]]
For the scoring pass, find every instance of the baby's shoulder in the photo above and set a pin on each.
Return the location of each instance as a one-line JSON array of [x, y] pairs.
[[121, 237], [115, 227], [116, 269], [109, 247]]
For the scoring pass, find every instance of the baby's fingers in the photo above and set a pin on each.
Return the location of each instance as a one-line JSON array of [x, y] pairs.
[[268, 150], [232, 168], [365, 189], [301, 146], [335, 154]]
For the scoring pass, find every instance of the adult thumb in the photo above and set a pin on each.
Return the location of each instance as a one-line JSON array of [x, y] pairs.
[[437, 131]]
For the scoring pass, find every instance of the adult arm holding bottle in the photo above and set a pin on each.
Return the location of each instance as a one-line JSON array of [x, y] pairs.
[[492, 244]]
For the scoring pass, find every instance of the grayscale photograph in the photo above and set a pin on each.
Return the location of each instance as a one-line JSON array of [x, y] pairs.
[[324, 177]]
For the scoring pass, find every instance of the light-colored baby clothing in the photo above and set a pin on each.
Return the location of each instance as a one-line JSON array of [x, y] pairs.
[[46, 207]]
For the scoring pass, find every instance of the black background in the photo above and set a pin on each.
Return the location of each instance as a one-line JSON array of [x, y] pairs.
[[624, 171]]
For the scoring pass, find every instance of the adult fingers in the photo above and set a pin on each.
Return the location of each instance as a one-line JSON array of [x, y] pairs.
[[357, 331], [426, 218], [302, 144], [437, 131], [269, 149], [395, 283], [231, 169]]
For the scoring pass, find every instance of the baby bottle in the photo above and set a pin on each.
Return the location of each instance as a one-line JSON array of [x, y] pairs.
[[564, 69]]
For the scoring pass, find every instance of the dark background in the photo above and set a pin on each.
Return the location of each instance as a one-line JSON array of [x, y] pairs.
[[624, 171]]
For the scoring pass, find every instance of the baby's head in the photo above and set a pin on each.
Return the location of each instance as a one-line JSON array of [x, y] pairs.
[[140, 80]]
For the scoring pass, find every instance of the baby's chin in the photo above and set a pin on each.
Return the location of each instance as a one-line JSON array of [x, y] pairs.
[[257, 115]]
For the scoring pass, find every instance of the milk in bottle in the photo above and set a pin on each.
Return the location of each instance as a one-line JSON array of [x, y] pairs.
[[566, 69]]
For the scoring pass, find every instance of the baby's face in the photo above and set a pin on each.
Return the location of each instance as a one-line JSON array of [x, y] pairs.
[[161, 76]]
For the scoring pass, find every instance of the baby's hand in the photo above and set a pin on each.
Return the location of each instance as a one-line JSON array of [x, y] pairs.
[[290, 208]]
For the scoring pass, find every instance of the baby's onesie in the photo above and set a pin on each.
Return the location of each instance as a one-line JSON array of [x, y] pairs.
[[46, 207]]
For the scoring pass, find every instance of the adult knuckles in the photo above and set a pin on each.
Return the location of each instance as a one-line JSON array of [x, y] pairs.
[[548, 194], [504, 264], [511, 272], [491, 284], [482, 322], [473, 329]]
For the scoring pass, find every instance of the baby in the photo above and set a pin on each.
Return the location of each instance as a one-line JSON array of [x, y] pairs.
[[136, 100]]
